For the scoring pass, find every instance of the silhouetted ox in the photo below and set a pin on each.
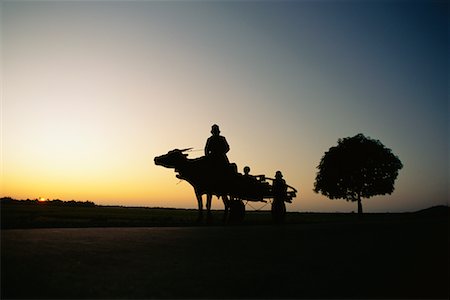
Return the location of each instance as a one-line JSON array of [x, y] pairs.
[[222, 181]]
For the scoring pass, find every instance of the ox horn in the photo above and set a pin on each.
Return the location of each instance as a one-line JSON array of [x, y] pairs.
[[187, 149]]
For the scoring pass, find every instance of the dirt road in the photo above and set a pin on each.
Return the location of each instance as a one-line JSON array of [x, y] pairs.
[[296, 261]]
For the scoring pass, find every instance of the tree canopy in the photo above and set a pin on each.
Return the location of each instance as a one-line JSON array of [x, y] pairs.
[[358, 167]]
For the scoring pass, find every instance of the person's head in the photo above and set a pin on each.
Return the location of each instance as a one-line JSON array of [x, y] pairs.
[[215, 129], [246, 170], [278, 175]]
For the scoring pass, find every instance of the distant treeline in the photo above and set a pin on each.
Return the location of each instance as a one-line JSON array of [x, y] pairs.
[[55, 202]]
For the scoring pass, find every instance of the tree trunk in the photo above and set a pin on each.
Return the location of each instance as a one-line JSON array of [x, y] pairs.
[[360, 210]]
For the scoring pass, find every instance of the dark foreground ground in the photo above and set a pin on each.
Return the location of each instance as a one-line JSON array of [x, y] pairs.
[[382, 256]]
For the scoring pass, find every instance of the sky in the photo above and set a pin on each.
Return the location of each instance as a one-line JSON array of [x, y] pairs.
[[92, 91]]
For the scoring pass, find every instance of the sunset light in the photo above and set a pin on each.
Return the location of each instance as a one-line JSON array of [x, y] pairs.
[[102, 87], [224, 149]]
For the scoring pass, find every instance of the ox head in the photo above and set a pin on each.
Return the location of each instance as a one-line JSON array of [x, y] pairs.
[[172, 159]]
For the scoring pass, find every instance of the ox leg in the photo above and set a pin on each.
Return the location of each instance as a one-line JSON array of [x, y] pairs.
[[226, 203], [208, 207], [200, 206]]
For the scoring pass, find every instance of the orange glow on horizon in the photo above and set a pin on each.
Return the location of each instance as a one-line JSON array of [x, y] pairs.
[[91, 94]]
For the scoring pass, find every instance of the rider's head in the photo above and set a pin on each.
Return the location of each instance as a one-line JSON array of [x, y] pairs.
[[278, 175], [215, 129], [246, 170]]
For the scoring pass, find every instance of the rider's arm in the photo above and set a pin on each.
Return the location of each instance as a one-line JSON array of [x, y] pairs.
[[225, 143], [207, 146]]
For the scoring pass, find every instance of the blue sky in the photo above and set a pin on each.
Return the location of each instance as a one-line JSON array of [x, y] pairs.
[[92, 91]]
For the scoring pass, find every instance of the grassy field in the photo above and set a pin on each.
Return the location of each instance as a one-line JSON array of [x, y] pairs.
[[22, 215], [47, 216]]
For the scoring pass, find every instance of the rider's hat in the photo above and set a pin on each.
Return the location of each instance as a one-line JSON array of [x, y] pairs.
[[278, 174], [215, 129]]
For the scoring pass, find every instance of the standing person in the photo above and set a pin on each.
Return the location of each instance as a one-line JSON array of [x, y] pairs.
[[279, 190], [217, 147]]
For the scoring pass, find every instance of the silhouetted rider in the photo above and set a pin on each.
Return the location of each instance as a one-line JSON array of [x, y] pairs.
[[217, 147], [247, 171]]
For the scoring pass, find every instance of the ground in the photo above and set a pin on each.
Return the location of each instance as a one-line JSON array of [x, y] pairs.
[[390, 256]]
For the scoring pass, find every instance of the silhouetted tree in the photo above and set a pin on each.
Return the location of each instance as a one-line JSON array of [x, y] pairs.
[[358, 167]]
